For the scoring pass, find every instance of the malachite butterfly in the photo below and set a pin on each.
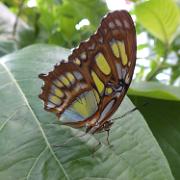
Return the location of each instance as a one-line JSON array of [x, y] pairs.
[[87, 89]]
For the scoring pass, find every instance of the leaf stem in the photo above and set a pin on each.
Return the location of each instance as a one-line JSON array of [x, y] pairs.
[[17, 17], [160, 66]]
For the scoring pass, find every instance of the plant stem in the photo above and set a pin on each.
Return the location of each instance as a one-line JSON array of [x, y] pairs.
[[160, 66], [17, 17]]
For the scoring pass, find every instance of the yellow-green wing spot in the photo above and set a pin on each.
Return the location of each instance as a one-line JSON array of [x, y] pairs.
[[77, 61], [80, 106], [109, 90], [56, 91], [54, 99], [115, 48], [58, 83], [86, 105], [70, 77], [99, 84], [102, 63], [96, 95], [123, 52], [118, 49], [64, 80]]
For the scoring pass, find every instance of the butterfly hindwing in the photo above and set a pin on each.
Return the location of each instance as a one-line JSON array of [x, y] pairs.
[[62, 86]]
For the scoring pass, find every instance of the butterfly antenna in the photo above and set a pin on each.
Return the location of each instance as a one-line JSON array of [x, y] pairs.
[[130, 111]]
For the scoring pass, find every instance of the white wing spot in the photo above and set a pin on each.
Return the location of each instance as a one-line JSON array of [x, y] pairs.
[[77, 75], [118, 23], [118, 68], [127, 79], [92, 47], [83, 56], [50, 105], [111, 25], [101, 40], [126, 24]]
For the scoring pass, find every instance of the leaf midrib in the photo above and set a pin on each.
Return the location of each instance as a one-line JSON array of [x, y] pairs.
[[41, 129], [36, 120]]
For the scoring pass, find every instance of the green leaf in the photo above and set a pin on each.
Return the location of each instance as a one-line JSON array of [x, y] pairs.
[[142, 46], [161, 18], [163, 118], [59, 20], [28, 133], [175, 72], [8, 42], [154, 90], [7, 46]]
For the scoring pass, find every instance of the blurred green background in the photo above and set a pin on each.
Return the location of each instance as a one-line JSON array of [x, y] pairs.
[[68, 22], [156, 79]]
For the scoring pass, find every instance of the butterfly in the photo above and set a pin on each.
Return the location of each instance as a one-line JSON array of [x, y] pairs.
[[87, 89]]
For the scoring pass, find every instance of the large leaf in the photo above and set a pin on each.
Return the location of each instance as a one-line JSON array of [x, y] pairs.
[[28, 134], [161, 18], [163, 118], [162, 115], [155, 90]]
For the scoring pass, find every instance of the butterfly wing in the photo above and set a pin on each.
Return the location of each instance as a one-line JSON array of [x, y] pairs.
[[98, 72], [62, 87], [110, 52]]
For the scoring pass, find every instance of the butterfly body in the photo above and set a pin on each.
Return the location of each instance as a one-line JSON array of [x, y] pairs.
[[98, 73]]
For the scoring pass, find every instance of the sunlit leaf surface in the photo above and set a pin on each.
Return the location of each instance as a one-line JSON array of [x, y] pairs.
[[163, 118], [155, 90], [28, 135], [161, 18]]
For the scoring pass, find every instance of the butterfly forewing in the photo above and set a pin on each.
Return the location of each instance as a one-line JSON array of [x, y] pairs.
[[98, 72]]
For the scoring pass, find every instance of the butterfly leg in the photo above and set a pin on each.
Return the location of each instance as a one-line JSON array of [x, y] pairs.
[[107, 139]]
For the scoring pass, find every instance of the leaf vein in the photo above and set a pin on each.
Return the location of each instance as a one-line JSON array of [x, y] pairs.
[[37, 121]]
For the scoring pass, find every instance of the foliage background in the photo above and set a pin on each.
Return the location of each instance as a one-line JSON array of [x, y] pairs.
[[157, 76]]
